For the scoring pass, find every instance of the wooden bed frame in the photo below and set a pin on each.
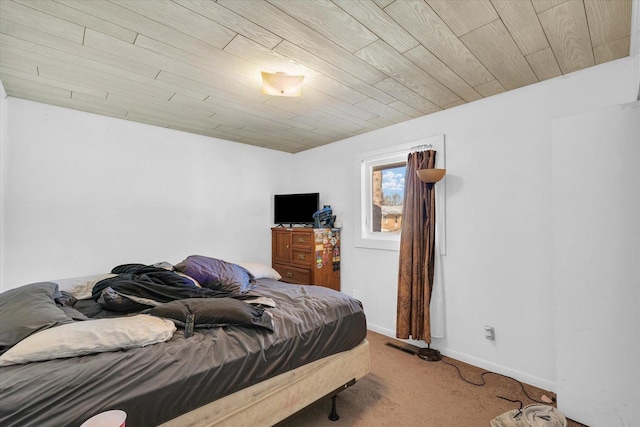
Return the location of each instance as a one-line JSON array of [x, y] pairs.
[[276, 399]]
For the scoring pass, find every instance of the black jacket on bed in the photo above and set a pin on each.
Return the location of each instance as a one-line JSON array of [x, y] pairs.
[[139, 286]]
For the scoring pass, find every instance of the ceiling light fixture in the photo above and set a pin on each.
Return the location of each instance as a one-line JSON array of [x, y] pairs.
[[281, 84]]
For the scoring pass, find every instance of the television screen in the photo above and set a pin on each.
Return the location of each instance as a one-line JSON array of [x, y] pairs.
[[295, 208]]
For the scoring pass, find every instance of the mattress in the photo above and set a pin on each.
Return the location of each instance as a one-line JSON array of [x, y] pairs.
[[157, 383], [276, 399]]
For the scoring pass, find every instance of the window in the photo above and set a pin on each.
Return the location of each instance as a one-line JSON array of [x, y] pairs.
[[387, 192], [381, 192]]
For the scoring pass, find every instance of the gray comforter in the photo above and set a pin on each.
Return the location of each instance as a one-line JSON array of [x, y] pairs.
[[159, 382]]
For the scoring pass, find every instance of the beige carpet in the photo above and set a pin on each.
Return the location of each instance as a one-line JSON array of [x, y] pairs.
[[403, 391]]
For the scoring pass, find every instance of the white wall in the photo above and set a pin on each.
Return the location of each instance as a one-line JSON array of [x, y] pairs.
[[635, 43], [4, 126], [497, 270], [596, 248], [85, 193]]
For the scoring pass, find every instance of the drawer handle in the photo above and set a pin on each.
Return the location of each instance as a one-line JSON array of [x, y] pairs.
[[301, 256], [289, 274], [300, 240]]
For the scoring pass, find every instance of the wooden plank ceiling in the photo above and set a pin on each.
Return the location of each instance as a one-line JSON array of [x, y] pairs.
[[194, 65]]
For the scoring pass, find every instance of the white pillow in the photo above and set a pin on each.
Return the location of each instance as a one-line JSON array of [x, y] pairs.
[[89, 336], [261, 271], [80, 287]]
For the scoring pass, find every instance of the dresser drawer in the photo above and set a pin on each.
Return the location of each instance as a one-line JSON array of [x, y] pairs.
[[303, 239], [301, 257], [293, 274]]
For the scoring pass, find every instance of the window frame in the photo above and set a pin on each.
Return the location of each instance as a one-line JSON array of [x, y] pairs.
[[365, 164]]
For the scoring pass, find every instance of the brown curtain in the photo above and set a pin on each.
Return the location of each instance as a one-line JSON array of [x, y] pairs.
[[415, 276]]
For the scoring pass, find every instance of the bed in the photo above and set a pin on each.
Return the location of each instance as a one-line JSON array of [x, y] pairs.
[[298, 344]]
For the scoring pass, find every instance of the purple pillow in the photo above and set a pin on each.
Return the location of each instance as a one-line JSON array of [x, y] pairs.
[[215, 273]]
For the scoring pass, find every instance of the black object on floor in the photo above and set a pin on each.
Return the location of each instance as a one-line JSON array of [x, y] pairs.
[[429, 354]]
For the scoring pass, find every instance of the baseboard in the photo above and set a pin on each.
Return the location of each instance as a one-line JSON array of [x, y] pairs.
[[480, 363], [380, 330]]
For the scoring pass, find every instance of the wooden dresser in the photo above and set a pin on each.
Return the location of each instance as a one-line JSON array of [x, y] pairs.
[[307, 255]]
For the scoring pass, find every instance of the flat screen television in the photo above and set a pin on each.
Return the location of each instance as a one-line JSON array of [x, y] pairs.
[[295, 208]]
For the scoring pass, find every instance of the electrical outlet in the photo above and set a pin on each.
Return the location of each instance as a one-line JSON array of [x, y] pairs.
[[489, 333]]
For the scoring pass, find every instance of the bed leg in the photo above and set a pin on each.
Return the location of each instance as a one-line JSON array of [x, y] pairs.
[[333, 416]]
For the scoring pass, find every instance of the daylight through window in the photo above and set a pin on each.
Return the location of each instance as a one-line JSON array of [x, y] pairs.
[[381, 191], [387, 186]]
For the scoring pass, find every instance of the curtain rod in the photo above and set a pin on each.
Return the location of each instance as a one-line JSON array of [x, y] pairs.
[[421, 148]]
